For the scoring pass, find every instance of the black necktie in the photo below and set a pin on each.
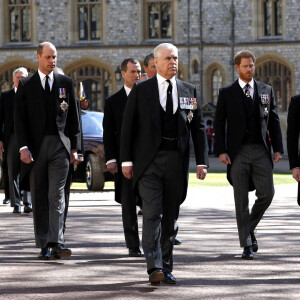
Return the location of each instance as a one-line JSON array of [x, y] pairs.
[[169, 105], [247, 91], [47, 86]]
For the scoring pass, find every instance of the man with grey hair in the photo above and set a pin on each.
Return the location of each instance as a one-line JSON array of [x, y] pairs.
[[160, 114], [149, 65], [8, 144], [48, 136]]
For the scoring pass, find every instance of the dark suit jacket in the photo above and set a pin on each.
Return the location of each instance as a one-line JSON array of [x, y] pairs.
[[230, 121], [112, 125], [293, 122], [142, 129], [30, 116], [6, 116]]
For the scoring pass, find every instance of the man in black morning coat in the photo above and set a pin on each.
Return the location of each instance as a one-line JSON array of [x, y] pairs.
[[112, 125], [293, 130], [158, 118], [246, 125], [48, 135]]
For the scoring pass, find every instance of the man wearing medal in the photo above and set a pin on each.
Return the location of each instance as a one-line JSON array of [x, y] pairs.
[[48, 136], [245, 122], [155, 153]]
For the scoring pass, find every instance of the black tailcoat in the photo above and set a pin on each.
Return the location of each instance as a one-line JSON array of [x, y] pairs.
[[142, 128], [230, 121], [30, 116]]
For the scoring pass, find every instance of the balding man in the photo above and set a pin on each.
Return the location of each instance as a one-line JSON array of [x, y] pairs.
[[48, 133]]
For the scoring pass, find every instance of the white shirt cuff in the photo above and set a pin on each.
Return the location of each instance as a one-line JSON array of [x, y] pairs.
[[205, 166], [127, 164], [24, 147], [111, 161]]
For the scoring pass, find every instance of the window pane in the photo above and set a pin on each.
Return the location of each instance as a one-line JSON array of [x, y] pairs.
[[95, 22], [26, 24], [14, 25], [216, 85], [166, 24], [153, 21], [268, 17], [278, 17], [83, 22]]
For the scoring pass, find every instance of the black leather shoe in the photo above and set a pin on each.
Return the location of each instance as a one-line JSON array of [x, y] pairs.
[[177, 241], [59, 252], [156, 276], [140, 212], [169, 278], [6, 201], [17, 209], [254, 242], [44, 254], [135, 252], [248, 253], [27, 209]]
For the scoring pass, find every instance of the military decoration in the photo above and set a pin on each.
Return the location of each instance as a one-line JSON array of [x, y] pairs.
[[64, 106], [265, 101], [62, 93]]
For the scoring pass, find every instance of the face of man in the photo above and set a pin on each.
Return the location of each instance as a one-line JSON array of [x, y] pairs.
[[151, 69], [17, 77], [167, 63], [246, 69], [132, 74], [47, 60]]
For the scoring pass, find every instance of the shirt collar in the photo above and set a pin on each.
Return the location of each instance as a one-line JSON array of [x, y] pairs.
[[127, 90], [161, 79], [42, 75], [15, 89], [243, 83]]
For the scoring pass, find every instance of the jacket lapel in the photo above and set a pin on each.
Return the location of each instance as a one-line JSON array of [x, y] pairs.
[[153, 103]]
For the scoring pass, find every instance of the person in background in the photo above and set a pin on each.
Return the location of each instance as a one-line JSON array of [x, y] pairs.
[[112, 124], [8, 145]]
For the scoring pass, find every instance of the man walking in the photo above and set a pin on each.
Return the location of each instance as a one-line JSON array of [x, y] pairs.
[[155, 136], [112, 125], [48, 134], [245, 122], [8, 145]]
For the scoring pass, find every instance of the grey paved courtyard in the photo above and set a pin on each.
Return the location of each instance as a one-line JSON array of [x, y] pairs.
[[208, 264]]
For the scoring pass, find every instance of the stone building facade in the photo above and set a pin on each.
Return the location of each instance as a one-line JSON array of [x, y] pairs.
[[93, 36]]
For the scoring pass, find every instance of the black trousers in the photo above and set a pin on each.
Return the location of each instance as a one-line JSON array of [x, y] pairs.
[[129, 216], [161, 188]]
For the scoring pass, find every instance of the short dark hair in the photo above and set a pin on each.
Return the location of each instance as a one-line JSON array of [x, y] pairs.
[[126, 61], [243, 54], [148, 58]]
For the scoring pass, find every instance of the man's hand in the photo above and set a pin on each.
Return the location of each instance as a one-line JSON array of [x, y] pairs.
[[296, 174], [277, 157], [128, 172], [26, 156], [1, 147], [224, 158], [201, 172], [112, 167], [73, 156]]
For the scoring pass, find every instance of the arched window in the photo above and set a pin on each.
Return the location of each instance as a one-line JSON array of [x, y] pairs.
[[96, 83], [216, 85], [278, 76]]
